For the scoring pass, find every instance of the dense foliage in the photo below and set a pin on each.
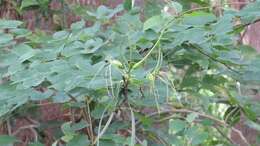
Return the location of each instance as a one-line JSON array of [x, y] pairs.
[[173, 79]]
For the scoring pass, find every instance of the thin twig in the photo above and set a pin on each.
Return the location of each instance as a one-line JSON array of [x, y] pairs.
[[23, 128], [90, 123], [32, 120], [72, 97], [105, 128], [136, 138], [100, 124], [133, 135], [250, 23], [45, 104], [148, 54], [72, 114], [212, 58], [86, 116], [216, 60], [209, 7], [241, 135], [223, 134], [35, 134], [187, 111], [9, 127]]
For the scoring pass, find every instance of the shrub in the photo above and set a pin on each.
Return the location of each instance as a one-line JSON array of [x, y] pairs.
[[170, 80]]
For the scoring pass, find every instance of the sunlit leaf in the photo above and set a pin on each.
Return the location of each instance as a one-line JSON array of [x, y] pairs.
[[29, 3]]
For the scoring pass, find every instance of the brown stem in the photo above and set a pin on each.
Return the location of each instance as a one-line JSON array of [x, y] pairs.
[[87, 117], [89, 129], [9, 127], [90, 123], [23, 128]]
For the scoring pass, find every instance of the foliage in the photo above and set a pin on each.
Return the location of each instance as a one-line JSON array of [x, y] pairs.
[[164, 81]]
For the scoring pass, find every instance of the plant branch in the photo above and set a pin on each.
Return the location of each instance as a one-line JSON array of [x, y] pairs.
[[90, 122], [100, 124], [212, 58], [87, 117], [105, 128], [223, 134], [149, 53], [23, 128], [9, 127], [133, 135], [89, 129], [187, 111]]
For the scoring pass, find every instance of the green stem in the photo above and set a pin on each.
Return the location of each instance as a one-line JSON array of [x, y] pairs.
[[149, 53]]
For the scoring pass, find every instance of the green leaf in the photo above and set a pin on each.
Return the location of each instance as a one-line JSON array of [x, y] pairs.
[[28, 3], [231, 56], [80, 125], [193, 35], [152, 8], [104, 13], [26, 56], [60, 35], [198, 18], [24, 52], [92, 45], [176, 126], [4, 24], [232, 115], [117, 139], [70, 128], [154, 22], [252, 71], [11, 98], [20, 32], [38, 96], [94, 64], [66, 128], [199, 138], [224, 25], [5, 38], [60, 97], [176, 6], [249, 13], [128, 4], [72, 49], [79, 140], [196, 136], [258, 139], [191, 117], [30, 78], [249, 113], [78, 25], [7, 140]]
